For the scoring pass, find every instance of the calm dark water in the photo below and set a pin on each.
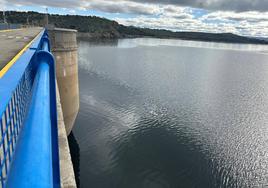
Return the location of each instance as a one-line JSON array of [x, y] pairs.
[[169, 114]]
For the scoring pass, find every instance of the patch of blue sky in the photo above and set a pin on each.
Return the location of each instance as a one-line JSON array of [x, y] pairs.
[[198, 13], [218, 20]]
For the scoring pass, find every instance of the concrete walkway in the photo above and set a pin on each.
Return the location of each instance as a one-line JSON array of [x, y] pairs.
[[13, 41]]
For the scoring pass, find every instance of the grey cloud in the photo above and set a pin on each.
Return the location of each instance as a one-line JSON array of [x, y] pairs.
[[51, 3], [139, 7], [185, 16], [234, 5], [122, 7], [252, 20]]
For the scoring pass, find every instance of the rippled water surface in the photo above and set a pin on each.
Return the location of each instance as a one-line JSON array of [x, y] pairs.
[[169, 114]]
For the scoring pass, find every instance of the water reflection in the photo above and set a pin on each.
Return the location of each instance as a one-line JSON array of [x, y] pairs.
[[100, 42], [149, 159], [168, 116], [131, 43]]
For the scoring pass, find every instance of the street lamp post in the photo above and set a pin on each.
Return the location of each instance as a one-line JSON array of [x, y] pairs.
[[4, 16]]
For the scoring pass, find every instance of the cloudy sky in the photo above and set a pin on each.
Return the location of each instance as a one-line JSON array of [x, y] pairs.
[[244, 17]]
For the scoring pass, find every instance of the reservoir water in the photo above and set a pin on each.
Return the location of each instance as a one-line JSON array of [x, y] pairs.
[[160, 113]]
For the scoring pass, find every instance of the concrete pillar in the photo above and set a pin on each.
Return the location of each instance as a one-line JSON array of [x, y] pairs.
[[64, 49]]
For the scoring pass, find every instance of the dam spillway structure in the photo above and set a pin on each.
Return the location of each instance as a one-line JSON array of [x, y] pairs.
[[64, 49]]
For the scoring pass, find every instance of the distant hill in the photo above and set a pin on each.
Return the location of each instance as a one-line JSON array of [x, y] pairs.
[[263, 38], [93, 27]]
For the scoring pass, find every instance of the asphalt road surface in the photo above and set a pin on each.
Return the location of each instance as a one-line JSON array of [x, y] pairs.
[[13, 41]]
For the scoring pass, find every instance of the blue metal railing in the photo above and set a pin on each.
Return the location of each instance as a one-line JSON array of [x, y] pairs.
[[28, 137]]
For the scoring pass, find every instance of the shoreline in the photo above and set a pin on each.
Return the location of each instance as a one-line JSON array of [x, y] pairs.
[[109, 37]]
